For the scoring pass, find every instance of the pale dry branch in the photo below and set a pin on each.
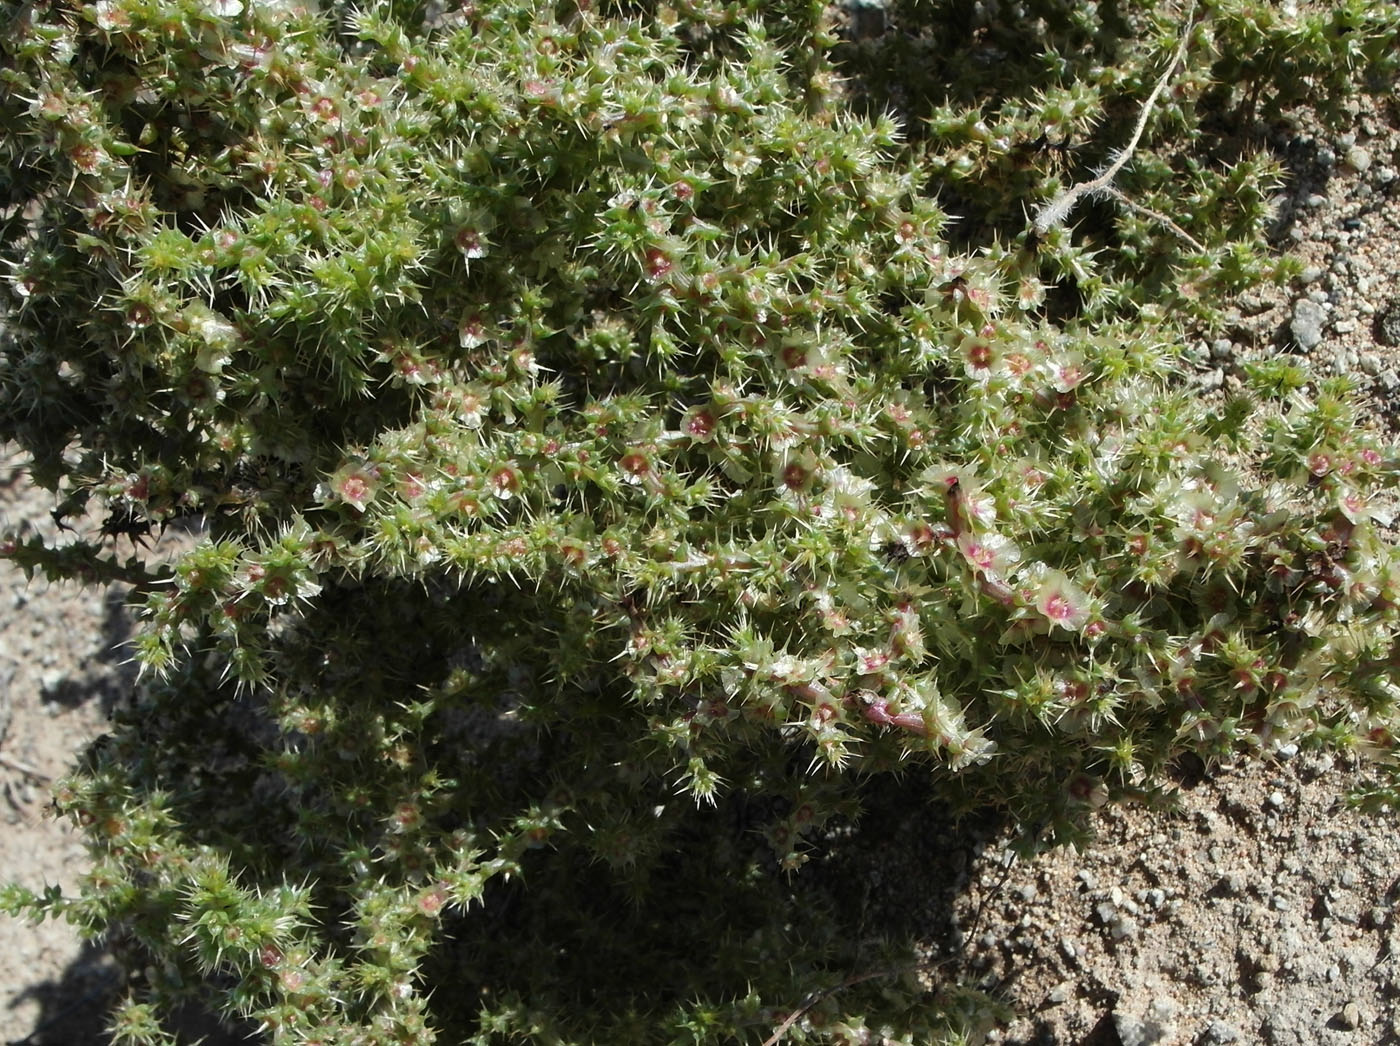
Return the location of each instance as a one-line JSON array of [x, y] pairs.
[[1058, 210]]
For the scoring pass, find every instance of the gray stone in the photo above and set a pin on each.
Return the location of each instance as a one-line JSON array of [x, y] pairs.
[[1348, 1018], [1218, 1033], [1358, 159], [1123, 928], [1308, 320], [1388, 323], [1135, 1032]]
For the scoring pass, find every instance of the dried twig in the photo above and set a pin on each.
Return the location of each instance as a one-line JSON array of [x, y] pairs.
[[11, 763], [1057, 210], [1155, 216]]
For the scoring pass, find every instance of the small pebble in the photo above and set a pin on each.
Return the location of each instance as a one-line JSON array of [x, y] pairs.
[[1358, 159], [1349, 1017], [1124, 928], [1388, 324], [1309, 318], [1134, 1032], [1162, 1009], [1219, 1034]]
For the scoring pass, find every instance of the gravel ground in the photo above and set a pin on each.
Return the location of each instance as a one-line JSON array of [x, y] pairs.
[[60, 673], [1258, 911]]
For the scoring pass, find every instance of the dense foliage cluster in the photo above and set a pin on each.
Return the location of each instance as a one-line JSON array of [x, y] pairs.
[[617, 444]]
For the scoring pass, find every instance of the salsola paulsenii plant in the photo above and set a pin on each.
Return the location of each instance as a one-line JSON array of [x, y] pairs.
[[608, 468]]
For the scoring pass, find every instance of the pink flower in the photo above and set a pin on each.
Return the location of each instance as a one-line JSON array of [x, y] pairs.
[[505, 482], [471, 243], [1061, 602], [471, 332], [658, 264], [635, 465], [989, 553], [981, 357], [871, 661], [795, 473], [1067, 375], [1353, 505], [470, 408], [699, 424], [355, 485], [543, 92]]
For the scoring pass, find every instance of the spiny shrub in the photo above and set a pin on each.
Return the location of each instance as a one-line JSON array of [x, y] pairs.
[[611, 462]]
